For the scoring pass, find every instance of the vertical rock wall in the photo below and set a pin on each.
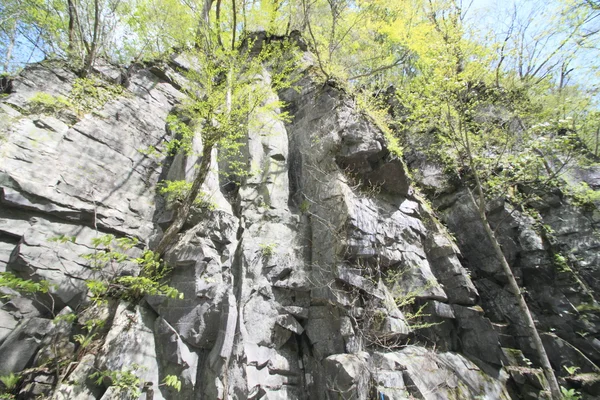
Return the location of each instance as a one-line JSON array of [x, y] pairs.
[[296, 280]]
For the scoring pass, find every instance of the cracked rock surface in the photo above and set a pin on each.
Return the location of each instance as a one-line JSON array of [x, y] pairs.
[[301, 282]]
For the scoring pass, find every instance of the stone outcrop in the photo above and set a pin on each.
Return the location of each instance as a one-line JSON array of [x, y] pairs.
[[301, 282], [554, 260]]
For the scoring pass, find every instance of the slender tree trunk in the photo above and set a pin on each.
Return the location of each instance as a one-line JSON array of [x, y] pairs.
[[91, 55], [9, 47], [315, 49], [184, 210], [244, 18], [204, 24], [218, 22], [597, 138], [516, 291], [512, 282], [234, 25], [71, 8]]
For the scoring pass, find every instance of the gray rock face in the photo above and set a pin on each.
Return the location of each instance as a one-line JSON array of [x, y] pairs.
[[303, 282], [19, 348], [554, 260]]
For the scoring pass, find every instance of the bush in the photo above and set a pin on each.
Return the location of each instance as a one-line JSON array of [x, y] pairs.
[[150, 281]]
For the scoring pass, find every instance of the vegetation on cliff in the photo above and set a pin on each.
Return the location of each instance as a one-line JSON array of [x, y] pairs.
[[505, 114]]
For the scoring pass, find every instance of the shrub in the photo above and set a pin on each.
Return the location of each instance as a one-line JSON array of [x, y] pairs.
[[150, 281]]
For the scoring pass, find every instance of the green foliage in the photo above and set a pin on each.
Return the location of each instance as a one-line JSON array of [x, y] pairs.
[[90, 94], [374, 320], [136, 287], [25, 286], [151, 151], [177, 191], [68, 318], [125, 379], [150, 281], [172, 381], [97, 290], [10, 382], [182, 133], [588, 307], [572, 370], [91, 327], [159, 27], [111, 252], [569, 394], [378, 113], [63, 239], [267, 250], [561, 262], [45, 103], [226, 98], [174, 190], [583, 196], [87, 95], [304, 206], [84, 340]]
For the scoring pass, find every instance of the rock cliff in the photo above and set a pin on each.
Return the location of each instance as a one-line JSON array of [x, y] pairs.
[[323, 274]]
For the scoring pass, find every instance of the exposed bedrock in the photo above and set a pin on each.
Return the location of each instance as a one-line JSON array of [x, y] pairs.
[[303, 281]]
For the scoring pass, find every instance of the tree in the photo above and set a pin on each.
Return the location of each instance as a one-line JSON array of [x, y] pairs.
[[25, 28], [223, 96], [454, 91]]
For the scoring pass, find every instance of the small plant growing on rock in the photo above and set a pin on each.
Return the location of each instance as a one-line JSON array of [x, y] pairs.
[[10, 381], [28, 287], [25, 286], [561, 263], [583, 196], [177, 191], [304, 206], [45, 103], [183, 135], [572, 370], [89, 94], [91, 326], [267, 250], [588, 307], [125, 379], [379, 115], [109, 254], [569, 394]]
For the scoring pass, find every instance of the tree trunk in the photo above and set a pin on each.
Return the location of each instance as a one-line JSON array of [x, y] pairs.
[[597, 138], [71, 8], [516, 291], [234, 25], [204, 24], [91, 55], [218, 23], [184, 210], [512, 282], [9, 47]]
